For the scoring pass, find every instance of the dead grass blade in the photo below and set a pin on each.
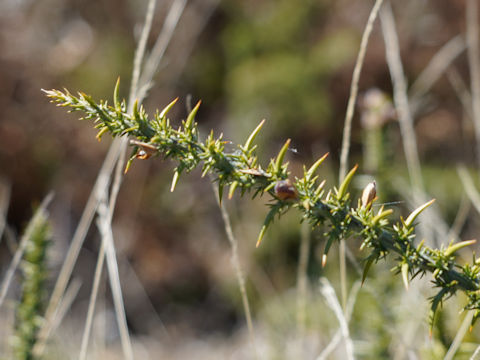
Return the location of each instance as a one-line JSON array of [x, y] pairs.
[[332, 301]]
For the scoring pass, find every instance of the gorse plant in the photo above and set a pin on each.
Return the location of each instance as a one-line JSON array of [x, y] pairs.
[[33, 298], [239, 170]]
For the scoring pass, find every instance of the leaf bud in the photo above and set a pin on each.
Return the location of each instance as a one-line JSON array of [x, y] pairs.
[[369, 194]]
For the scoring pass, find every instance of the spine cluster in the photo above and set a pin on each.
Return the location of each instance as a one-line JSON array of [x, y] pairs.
[[240, 170]]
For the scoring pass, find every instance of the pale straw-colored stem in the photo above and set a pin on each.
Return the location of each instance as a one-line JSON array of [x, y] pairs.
[[92, 302], [116, 149], [347, 128], [5, 192], [476, 354], [435, 70], [105, 227], [461, 90], [302, 279], [75, 246], [473, 53], [457, 341], [460, 218], [328, 293], [352, 298], [140, 52], [237, 267], [469, 187], [400, 97], [151, 64], [64, 305]]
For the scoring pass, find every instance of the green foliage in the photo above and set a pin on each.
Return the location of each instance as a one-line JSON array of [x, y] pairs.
[[32, 302], [239, 169], [277, 64]]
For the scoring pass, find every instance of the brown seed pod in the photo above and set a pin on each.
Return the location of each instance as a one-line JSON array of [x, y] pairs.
[[145, 150], [284, 190], [369, 194]]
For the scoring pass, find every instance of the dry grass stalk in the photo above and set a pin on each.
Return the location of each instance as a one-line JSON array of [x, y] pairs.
[[238, 269], [457, 341], [435, 69], [400, 96], [64, 305], [473, 53], [75, 246], [91, 303], [5, 192], [469, 187], [329, 294], [302, 279], [347, 128], [104, 225], [153, 61], [352, 297], [117, 149], [461, 90]]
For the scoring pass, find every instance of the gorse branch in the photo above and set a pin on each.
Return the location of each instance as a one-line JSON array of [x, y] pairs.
[[239, 170], [34, 273]]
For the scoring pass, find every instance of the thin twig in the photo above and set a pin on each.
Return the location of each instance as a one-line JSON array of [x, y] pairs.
[[105, 218], [435, 69], [476, 354], [469, 187], [347, 128], [140, 52], [65, 303], [352, 298], [116, 149], [137, 290], [189, 42], [238, 268], [5, 192], [329, 294], [467, 320], [400, 96], [460, 218], [461, 90], [302, 279], [10, 239], [474, 64], [107, 238], [151, 64], [75, 246], [92, 301]]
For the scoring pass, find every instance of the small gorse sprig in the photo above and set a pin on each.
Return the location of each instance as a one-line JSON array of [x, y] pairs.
[[32, 302], [239, 169]]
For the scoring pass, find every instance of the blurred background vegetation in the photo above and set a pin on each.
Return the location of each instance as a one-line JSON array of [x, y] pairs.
[[290, 62]]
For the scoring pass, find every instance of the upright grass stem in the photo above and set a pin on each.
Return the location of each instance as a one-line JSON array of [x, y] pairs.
[[238, 269], [473, 53], [115, 155], [400, 97], [347, 128], [302, 277]]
